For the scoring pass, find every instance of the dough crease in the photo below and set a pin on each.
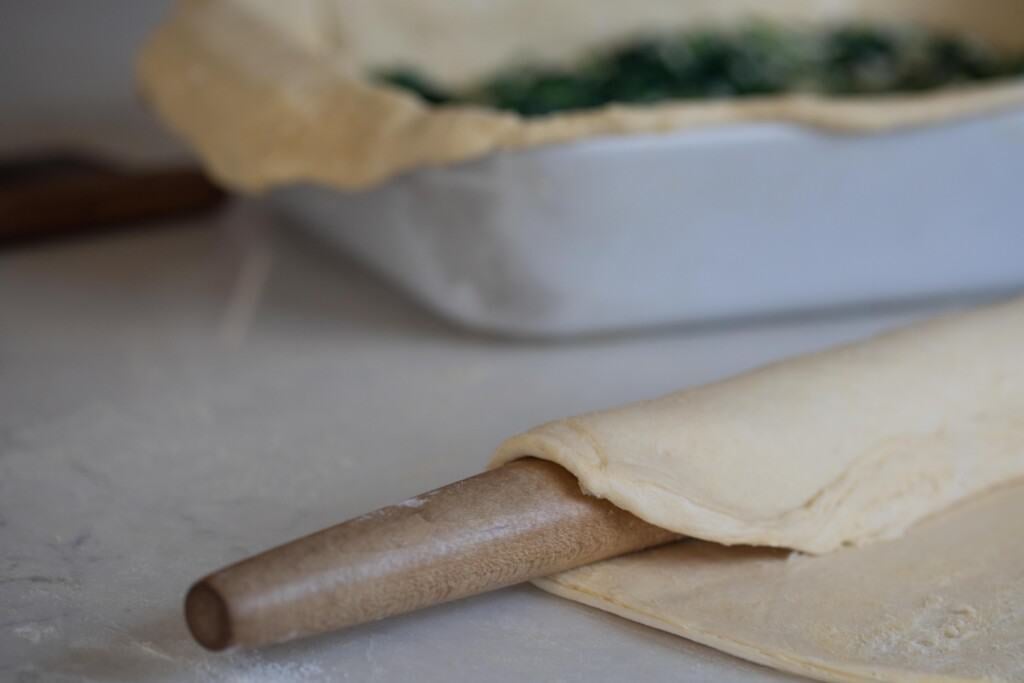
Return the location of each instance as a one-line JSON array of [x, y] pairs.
[[942, 605], [844, 447], [271, 93]]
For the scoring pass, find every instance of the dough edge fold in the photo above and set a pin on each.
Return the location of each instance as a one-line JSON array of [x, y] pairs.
[[891, 478], [309, 119]]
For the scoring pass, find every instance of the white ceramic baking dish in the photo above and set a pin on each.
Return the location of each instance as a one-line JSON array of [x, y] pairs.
[[616, 218], [737, 220]]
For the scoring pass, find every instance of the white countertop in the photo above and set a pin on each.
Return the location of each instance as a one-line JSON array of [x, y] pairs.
[[175, 398], [179, 397]]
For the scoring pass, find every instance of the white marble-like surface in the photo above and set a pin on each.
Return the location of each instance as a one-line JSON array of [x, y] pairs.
[[177, 398]]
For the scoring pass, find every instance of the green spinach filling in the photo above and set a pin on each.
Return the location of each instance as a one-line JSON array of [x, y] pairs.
[[752, 60]]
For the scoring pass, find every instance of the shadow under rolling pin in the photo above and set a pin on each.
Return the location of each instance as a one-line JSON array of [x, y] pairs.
[[520, 521]]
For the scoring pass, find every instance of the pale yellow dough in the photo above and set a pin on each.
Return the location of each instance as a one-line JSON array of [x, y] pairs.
[[847, 446], [271, 92], [945, 603]]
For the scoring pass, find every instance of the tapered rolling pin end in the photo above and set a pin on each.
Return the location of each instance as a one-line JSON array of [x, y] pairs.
[[517, 522], [208, 617]]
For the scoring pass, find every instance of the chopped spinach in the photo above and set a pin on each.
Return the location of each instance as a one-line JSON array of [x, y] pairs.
[[757, 59], [413, 81]]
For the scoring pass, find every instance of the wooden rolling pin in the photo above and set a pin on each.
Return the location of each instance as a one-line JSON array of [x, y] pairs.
[[517, 522]]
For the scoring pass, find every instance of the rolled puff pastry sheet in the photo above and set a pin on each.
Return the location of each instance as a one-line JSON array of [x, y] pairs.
[[843, 447], [945, 603]]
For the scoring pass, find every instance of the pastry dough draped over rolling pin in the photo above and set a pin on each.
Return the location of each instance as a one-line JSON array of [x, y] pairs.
[[842, 447]]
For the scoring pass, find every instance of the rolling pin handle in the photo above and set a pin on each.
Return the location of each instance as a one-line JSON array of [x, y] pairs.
[[520, 521]]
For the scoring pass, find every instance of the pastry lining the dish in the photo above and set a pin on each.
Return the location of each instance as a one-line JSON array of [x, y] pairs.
[[848, 446], [270, 93]]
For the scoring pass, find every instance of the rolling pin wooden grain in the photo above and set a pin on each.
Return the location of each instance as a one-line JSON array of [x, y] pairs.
[[520, 521]]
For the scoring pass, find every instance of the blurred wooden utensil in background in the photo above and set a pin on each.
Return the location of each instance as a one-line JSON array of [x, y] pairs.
[[62, 195]]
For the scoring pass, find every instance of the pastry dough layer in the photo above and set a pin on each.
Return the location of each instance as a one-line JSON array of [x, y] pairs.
[[842, 447], [272, 92], [943, 604]]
